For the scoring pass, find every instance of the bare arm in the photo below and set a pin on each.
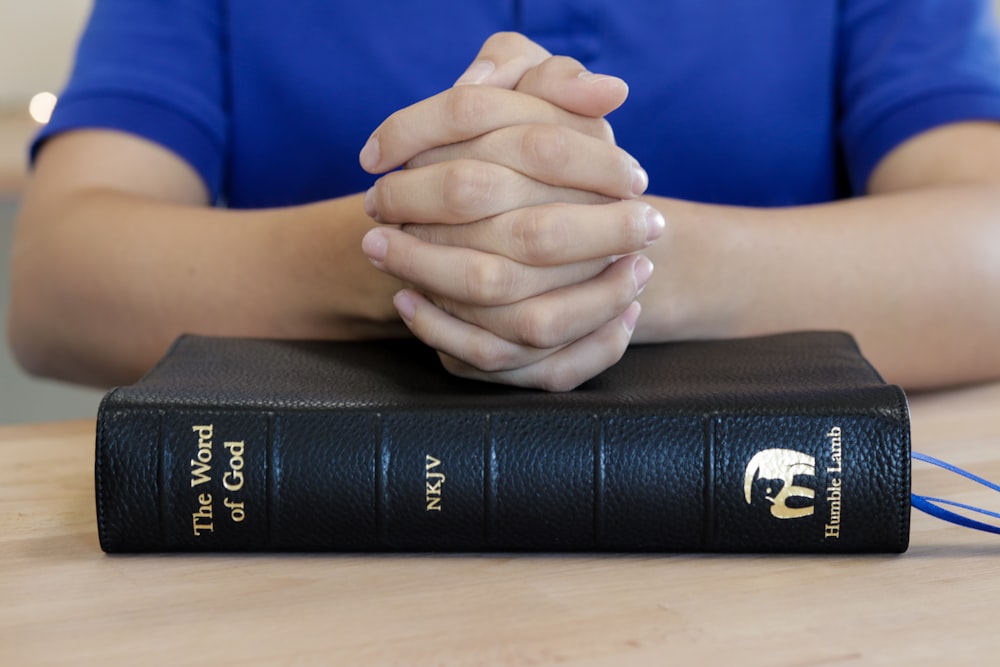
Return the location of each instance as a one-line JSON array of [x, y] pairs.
[[912, 269], [116, 252]]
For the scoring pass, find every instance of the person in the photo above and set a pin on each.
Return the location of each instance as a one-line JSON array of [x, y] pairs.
[[782, 166]]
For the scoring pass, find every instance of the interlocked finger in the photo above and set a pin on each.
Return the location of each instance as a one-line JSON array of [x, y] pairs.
[[553, 155], [554, 234], [558, 317], [465, 275], [462, 113], [461, 191], [469, 351]]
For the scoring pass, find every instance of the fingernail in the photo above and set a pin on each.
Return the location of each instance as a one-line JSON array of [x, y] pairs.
[[655, 224], [591, 77], [405, 305], [477, 72], [375, 245], [643, 269], [631, 316], [640, 179], [370, 209], [370, 154]]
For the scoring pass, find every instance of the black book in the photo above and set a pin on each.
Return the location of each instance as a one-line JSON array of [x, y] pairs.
[[784, 443]]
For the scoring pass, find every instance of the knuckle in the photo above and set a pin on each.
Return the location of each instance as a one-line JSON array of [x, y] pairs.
[[544, 149], [491, 356], [466, 108], [456, 366], [489, 280], [466, 189], [568, 373], [538, 328], [554, 68], [540, 234], [560, 376]]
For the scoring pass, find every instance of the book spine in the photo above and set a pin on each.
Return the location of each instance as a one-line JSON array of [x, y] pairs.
[[240, 480]]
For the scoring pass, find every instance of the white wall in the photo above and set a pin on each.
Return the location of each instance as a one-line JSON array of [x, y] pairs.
[[37, 39]]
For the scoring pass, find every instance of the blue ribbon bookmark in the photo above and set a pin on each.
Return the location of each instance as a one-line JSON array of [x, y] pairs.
[[933, 507]]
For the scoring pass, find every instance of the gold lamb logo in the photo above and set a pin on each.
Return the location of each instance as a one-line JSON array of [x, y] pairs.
[[771, 473]]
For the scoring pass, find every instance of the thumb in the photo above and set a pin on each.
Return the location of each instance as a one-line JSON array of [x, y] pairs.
[[512, 61], [566, 83], [503, 59]]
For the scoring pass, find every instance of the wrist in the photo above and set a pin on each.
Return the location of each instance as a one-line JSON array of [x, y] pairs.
[[334, 290], [699, 289]]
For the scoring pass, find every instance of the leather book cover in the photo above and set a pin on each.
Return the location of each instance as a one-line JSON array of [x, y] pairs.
[[783, 443]]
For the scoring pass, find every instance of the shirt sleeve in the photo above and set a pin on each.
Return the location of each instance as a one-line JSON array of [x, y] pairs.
[[153, 68], [907, 67]]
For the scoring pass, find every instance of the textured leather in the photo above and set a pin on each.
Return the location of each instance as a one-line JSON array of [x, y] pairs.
[[786, 443]]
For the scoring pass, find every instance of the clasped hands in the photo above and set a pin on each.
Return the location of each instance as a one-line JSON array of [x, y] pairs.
[[515, 220]]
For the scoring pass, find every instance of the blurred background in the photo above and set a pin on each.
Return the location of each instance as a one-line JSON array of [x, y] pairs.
[[37, 40]]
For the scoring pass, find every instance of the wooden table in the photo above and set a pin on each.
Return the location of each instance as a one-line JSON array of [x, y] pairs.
[[62, 601]]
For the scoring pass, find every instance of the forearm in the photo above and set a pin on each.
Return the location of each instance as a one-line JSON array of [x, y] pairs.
[[915, 276], [103, 281]]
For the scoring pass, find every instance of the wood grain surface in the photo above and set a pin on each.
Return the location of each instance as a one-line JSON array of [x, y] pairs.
[[64, 602]]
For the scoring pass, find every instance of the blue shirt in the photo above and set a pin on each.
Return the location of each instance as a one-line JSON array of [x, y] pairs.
[[747, 102]]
